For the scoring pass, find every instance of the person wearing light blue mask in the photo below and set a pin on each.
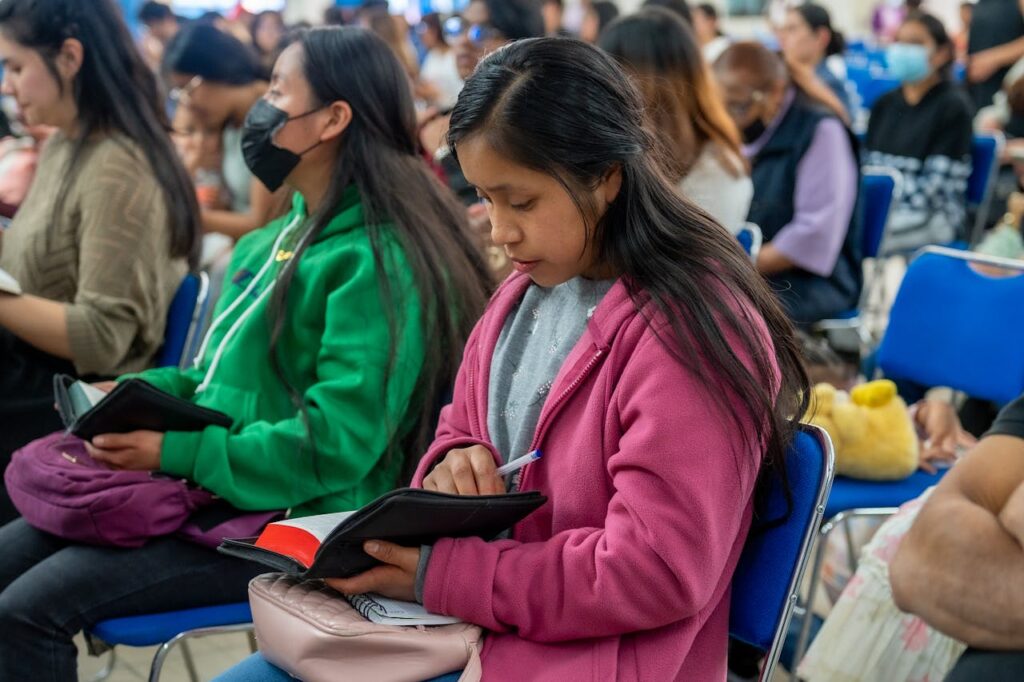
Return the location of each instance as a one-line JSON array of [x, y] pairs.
[[908, 63], [923, 129]]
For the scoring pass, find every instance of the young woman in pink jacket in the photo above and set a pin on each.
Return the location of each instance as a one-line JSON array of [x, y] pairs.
[[639, 351]]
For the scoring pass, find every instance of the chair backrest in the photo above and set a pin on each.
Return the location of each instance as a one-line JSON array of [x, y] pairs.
[[878, 187], [749, 237], [771, 567], [951, 325], [871, 83], [986, 148], [187, 310]]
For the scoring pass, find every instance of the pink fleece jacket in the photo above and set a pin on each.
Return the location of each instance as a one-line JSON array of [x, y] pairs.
[[624, 574]]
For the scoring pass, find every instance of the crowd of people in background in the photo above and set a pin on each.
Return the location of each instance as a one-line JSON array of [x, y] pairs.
[[358, 190]]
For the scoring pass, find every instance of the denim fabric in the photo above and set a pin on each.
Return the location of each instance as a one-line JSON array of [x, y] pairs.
[[257, 669], [51, 589]]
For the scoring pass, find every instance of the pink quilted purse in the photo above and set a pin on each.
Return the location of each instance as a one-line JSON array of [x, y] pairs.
[[310, 631]]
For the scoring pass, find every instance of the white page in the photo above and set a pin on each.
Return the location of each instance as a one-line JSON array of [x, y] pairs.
[[91, 393], [319, 526], [8, 284], [386, 611]]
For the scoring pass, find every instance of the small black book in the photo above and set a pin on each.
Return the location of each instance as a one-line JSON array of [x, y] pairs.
[[133, 405], [331, 545]]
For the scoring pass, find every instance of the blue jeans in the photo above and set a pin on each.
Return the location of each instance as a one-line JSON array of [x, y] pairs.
[[51, 589], [257, 669]]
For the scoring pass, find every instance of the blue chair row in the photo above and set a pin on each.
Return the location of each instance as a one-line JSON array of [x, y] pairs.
[[184, 321], [879, 188], [871, 82], [765, 586], [951, 326], [986, 150]]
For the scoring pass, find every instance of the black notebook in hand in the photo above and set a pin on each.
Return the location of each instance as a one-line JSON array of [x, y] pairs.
[[133, 405], [331, 545]]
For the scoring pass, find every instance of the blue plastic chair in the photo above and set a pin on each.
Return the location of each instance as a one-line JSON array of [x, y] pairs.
[[185, 315], [986, 148], [169, 630], [878, 188], [949, 326], [767, 581], [965, 320], [749, 237], [871, 81]]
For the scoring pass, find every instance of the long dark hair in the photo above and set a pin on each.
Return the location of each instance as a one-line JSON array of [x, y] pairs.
[[379, 156], [115, 93], [684, 107], [938, 33], [204, 50], [531, 99], [818, 17]]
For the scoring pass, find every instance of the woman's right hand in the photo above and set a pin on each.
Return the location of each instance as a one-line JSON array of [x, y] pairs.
[[466, 471]]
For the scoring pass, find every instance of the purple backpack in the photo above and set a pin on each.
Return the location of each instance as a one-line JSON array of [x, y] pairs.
[[60, 489]]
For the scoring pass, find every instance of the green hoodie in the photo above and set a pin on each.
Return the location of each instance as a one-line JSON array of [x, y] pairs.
[[334, 349]]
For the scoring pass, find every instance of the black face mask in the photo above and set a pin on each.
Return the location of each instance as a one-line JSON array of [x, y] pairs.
[[753, 131], [268, 162]]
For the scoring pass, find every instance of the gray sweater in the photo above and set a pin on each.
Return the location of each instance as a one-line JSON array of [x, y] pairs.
[[534, 344]]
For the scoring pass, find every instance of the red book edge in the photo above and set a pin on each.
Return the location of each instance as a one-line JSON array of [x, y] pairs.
[[291, 541]]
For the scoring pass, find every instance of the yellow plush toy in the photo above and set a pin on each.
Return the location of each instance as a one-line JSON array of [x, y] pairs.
[[871, 430]]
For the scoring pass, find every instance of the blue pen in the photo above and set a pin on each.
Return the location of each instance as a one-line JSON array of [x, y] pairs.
[[518, 463]]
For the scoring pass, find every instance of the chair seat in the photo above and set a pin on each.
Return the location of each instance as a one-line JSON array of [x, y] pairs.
[[851, 493], [157, 628]]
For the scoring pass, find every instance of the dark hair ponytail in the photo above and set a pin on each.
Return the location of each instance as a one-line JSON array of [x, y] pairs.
[[817, 17], [379, 156], [530, 99], [114, 92]]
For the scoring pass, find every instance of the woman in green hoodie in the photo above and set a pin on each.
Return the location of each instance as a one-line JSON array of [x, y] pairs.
[[338, 332]]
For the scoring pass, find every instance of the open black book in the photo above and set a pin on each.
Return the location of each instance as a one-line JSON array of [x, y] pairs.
[[331, 545], [133, 405]]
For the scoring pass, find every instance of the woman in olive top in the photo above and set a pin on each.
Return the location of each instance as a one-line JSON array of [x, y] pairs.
[[105, 234], [338, 333]]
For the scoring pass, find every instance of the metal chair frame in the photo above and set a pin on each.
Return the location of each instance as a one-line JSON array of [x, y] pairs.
[[824, 488], [182, 638], [842, 519]]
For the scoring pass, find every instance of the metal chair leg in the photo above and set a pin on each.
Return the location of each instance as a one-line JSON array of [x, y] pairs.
[[161, 653], [251, 636], [159, 658], [190, 663], [812, 588], [851, 551], [819, 556]]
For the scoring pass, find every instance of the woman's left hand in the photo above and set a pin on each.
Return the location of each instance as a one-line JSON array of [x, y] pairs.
[[135, 451], [395, 579]]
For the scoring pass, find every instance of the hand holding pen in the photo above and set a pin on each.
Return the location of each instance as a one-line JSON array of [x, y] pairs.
[[472, 471]]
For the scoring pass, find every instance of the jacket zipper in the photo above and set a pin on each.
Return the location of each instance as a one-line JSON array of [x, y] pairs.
[[473, 415], [555, 406]]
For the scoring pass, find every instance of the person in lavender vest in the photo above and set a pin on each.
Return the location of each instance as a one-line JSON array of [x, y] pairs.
[[806, 177]]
